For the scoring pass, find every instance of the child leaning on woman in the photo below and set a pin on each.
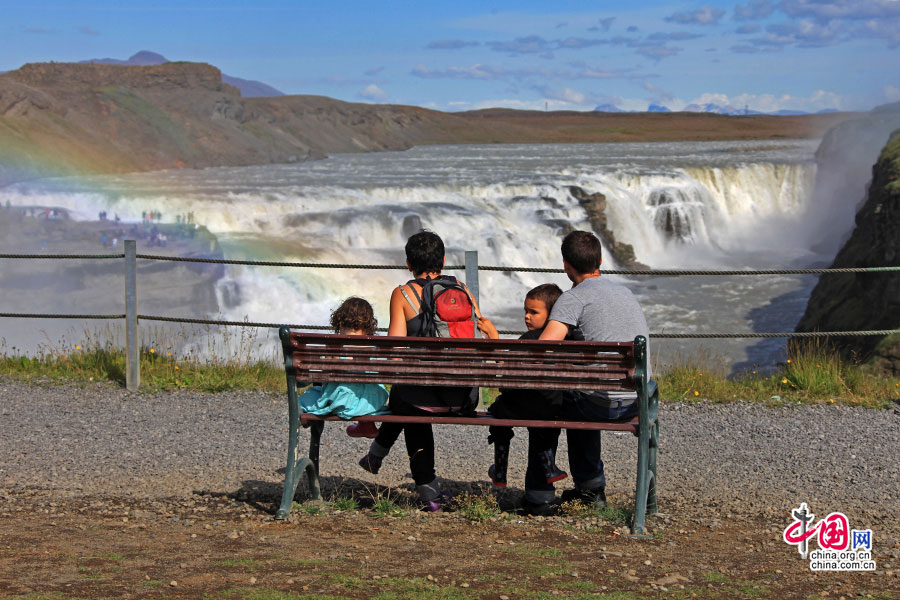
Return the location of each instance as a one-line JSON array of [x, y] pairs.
[[347, 400], [543, 405]]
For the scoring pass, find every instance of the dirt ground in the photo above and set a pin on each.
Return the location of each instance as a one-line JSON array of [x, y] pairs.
[[229, 546]]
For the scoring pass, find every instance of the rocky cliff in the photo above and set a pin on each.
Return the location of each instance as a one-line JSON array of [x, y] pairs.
[[866, 301]]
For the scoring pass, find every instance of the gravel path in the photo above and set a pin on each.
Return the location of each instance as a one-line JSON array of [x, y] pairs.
[[736, 459]]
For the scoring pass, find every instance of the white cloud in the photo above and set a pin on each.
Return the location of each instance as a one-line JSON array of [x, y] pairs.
[[891, 93], [755, 9], [818, 100], [373, 92], [705, 15], [841, 9]]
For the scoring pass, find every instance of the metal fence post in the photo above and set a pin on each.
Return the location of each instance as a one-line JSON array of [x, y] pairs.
[[472, 273], [132, 342]]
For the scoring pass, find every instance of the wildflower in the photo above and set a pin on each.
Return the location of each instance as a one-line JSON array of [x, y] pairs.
[[152, 351], [832, 400], [168, 354], [78, 347], [696, 393], [754, 372], [789, 361], [784, 381], [176, 367]]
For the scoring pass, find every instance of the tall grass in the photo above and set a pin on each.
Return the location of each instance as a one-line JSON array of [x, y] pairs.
[[170, 359], [215, 360], [812, 373]]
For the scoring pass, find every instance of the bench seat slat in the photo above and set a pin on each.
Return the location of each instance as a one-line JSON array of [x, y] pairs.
[[416, 378], [482, 418], [356, 351], [524, 364]]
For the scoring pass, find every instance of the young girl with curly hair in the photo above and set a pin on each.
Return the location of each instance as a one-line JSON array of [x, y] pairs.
[[347, 400]]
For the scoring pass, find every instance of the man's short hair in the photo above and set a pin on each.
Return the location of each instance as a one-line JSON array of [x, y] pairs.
[[425, 252], [582, 250], [548, 293]]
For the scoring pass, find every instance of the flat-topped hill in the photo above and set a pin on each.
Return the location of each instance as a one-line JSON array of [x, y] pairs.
[[64, 118]]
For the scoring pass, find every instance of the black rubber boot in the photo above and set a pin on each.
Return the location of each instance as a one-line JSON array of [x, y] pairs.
[[551, 471], [497, 471]]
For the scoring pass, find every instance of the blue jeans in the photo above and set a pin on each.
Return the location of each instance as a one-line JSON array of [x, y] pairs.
[[585, 464]]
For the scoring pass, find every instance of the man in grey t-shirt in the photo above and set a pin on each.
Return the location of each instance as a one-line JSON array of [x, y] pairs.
[[604, 312]]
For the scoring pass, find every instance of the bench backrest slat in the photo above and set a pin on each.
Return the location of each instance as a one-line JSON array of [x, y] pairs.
[[462, 362]]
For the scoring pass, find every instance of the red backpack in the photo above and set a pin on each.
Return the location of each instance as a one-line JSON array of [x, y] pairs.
[[445, 309]]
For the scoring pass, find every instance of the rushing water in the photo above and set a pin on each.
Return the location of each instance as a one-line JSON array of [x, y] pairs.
[[733, 205]]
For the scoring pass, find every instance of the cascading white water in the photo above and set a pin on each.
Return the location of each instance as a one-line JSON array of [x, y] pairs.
[[679, 204]]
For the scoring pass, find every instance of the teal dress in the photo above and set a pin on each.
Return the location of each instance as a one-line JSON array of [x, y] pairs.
[[345, 400]]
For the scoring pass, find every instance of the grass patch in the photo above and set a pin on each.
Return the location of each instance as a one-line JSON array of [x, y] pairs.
[[345, 504], [305, 563], [715, 577], [265, 594], [812, 374], [613, 514], [538, 552], [477, 507], [112, 556], [384, 506], [552, 568], [247, 564], [186, 358], [310, 509], [215, 360], [153, 583], [416, 588]]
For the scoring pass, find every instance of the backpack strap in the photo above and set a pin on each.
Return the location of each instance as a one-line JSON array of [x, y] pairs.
[[418, 308]]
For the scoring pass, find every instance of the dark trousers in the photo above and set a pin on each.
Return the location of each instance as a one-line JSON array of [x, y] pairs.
[[585, 464], [528, 405], [419, 436]]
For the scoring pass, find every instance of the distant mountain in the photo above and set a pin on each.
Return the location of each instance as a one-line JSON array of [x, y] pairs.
[[658, 108], [713, 108], [249, 88], [611, 108], [788, 112]]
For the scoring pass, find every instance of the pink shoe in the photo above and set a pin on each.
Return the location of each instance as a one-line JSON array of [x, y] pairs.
[[366, 429]]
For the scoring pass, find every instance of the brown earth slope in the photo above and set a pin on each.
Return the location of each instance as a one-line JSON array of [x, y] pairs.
[[58, 118]]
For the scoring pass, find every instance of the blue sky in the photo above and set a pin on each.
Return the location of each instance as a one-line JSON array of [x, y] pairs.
[[765, 54]]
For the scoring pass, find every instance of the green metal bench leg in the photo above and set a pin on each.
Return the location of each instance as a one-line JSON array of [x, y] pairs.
[[296, 466], [315, 436], [643, 481], [652, 506]]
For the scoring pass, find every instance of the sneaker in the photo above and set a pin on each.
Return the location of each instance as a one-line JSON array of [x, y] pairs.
[[438, 504], [371, 463], [594, 498], [366, 429], [538, 509], [498, 480]]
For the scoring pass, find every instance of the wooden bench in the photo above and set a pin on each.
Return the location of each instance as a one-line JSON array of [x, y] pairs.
[[611, 366]]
